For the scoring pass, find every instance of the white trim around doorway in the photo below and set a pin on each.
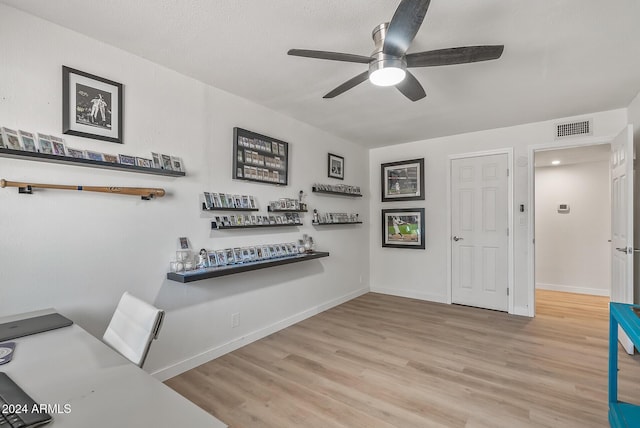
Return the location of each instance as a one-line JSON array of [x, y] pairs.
[[531, 250]]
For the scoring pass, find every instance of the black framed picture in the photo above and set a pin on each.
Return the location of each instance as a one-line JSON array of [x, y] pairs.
[[336, 166], [403, 181], [403, 228], [259, 158], [91, 106]]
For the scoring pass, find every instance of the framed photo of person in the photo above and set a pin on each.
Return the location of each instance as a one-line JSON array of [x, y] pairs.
[[336, 166], [403, 228], [91, 106], [403, 181]]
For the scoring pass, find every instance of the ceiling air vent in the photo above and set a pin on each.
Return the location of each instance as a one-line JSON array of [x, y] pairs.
[[572, 129]]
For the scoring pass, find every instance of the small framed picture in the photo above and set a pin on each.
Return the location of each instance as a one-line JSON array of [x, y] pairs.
[[176, 164], [336, 166], [229, 256], [221, 257], [403, 181], [155, 159], [91, 106], [144, 162], [11, 139], [95, 156], [403, 228], [213, 261], [28, 141], [58, 146], [223, 201], [74, 153], [217, 201], [110, 158], [127, 160], [166, 162], [208, 202], [44, 144], [184, 243]]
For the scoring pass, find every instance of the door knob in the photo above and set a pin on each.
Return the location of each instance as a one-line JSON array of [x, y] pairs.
[[622, 250], [456, 238]]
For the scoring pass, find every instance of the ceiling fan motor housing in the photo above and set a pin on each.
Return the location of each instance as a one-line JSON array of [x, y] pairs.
[[380, 60]]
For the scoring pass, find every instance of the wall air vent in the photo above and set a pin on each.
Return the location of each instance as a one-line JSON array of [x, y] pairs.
[[574, 129]]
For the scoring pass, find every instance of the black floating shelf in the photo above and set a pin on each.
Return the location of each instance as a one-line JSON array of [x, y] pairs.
[[200, 274], [341, 222], [204, 208], [66, 160], [253, 226], [285, 210], [330, 192]]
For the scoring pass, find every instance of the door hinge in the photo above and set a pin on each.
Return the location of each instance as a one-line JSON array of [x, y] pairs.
[[507, 291], [507, 231], [507, 172]]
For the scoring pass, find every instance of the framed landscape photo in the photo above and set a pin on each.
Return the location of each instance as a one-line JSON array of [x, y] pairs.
[[91, 106], [336, 166], [403, 228], [403, 181]]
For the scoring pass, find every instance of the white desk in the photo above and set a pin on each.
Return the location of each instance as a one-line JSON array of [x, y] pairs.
[[69, 366]]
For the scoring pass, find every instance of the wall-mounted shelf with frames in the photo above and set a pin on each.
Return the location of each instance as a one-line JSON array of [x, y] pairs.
[[65, 160], [201, 274]]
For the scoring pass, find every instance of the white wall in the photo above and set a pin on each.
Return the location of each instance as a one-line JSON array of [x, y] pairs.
[[572, 249], [78, 252], [424, 273]]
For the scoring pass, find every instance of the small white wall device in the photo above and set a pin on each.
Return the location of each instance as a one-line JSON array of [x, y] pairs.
[[563, 208]]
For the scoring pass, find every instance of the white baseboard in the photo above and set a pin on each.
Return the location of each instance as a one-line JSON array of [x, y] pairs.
[[412, 294], [232, 345], [522, 311], [572, 289]]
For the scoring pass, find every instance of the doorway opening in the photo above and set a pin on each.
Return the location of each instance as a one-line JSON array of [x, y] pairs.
[[572, 228]]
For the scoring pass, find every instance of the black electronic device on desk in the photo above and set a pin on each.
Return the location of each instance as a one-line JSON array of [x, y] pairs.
[[33, 325], [17, 408]]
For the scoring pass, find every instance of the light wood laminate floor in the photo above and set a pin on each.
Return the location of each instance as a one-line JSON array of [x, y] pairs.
[[384, 361]]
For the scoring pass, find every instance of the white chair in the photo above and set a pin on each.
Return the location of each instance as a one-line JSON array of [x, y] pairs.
[[134, 325]]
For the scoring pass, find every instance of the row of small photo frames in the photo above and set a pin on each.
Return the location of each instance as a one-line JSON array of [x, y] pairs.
[[53, 145], [225, 200], [234, 256], [256, 220]]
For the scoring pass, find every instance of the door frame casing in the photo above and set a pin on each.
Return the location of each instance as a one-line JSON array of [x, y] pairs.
[[531, 249], [510, 259]]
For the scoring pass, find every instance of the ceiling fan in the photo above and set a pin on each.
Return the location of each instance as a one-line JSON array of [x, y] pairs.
[[389, 61]]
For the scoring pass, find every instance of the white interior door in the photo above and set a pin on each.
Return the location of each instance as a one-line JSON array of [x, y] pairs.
[[622, 223], [479, 227]]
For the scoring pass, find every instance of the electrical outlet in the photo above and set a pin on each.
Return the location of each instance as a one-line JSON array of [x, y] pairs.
[[235, 320]]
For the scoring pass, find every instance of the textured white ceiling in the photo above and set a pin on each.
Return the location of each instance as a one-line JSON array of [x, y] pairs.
[[561, 58]]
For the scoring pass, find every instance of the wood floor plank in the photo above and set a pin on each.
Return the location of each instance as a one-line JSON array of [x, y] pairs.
[[386, 361]]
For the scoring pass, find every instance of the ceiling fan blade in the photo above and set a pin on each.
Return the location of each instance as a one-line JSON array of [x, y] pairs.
[[348, 85], [461, 55], [411, 88], [404, 26], [333, 56]]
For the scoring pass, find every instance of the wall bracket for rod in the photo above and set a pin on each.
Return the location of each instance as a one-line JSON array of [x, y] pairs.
[[27, 190]]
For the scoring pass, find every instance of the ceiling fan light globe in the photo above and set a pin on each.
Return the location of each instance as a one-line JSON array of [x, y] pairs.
[[388, 76]]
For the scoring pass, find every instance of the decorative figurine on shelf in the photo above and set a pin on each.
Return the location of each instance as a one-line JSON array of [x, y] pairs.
[[303, 205], [316, 219], [202, 259], [308, 243], [301, 248]]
